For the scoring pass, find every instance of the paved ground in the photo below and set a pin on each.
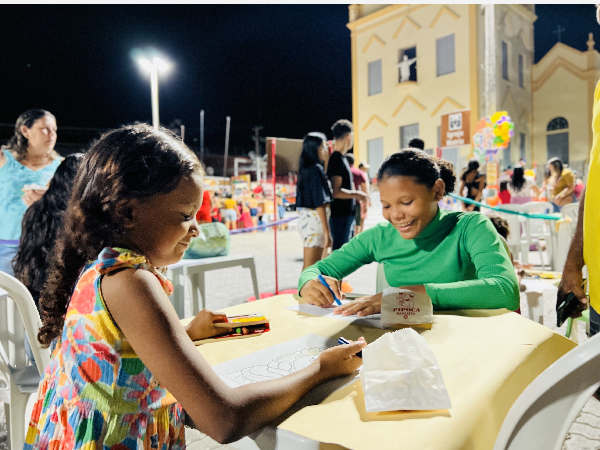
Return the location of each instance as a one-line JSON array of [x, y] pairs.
[[232, 286]]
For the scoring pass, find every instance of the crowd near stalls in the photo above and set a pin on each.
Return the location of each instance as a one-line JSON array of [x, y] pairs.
[[560, 185]]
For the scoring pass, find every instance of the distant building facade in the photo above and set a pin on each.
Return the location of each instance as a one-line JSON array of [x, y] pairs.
[[563, 84], [476, 57]]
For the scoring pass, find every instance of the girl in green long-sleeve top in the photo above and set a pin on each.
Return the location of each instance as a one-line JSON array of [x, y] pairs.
[[456, 258]]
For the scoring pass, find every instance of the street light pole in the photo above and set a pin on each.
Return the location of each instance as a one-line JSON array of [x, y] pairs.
[[154, 93], [153, 67]]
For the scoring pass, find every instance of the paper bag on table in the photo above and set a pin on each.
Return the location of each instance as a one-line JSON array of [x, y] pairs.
[[405, 308], [400, 372]]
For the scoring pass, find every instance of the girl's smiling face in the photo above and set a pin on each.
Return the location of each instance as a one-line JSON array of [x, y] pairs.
[[407, 205], [162, 226]]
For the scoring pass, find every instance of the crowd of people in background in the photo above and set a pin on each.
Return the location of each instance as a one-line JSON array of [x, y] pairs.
[[561, 185]]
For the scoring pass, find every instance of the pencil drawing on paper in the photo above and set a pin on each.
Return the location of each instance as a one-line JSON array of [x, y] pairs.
[[276, 368]]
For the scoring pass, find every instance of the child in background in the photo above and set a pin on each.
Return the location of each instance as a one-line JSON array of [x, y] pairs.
[[504, 193], [125, 373]]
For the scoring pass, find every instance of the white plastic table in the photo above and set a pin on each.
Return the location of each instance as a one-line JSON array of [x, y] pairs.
[[194, 269]]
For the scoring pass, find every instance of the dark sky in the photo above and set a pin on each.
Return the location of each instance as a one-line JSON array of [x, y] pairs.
[[284, 67]]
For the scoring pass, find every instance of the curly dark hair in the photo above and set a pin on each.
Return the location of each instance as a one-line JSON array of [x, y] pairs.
[[40, 227], [18, 143], [132, 162], [425, 168], [501, 225]]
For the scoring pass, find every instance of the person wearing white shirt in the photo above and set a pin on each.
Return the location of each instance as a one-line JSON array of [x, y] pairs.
[[520, 187]]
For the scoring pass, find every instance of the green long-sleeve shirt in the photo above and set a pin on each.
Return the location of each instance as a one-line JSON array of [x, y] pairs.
[[459, 257]]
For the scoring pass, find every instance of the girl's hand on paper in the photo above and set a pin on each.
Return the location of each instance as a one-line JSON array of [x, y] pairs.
[[315, 293], [363, 306], [201, 326], [340, 360], [366, 306]]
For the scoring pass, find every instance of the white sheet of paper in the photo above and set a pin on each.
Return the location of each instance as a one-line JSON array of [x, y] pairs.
[[273, 362], [374, 320], [280, 360]]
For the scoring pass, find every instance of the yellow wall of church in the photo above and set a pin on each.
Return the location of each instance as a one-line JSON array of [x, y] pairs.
[[423, 101], [563, 86]]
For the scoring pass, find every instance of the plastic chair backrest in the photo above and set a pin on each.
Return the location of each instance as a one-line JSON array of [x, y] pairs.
[[12, 323], [571, 211], [380, 281], [538, 227], [514, 223], [542, 415]]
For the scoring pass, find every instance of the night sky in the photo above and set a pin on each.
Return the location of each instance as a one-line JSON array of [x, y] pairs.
[[284, 67]]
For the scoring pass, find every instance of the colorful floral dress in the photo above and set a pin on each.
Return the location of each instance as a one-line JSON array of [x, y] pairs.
[[96, 393]]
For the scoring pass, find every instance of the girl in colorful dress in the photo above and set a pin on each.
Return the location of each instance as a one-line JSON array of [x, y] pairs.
[[125, 374]]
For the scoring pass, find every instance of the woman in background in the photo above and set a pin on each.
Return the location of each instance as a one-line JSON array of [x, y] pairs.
[[563, 180], [474, 182], [26, 166], [520, 187], [313, 195]]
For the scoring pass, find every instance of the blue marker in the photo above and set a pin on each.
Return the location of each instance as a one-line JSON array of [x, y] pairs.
[[324, 283], [342, 340]]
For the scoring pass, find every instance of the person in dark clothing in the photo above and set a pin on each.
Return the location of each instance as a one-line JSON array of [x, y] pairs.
[[341, 222], [474, 182]]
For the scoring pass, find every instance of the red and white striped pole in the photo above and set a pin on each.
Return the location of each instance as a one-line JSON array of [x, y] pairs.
[[275, 208]]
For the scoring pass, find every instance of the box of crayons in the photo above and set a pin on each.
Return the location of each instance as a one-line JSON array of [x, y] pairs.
[[248, 325]]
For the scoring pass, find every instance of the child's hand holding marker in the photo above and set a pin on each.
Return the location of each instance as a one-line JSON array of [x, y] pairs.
[[341, 360], [322, 291]]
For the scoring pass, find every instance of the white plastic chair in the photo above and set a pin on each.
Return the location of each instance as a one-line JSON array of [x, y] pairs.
[[537, 229], [570, 213], [517, 241], [542, 415], [20, 378]]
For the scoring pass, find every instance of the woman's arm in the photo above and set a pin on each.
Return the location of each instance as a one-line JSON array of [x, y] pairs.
[[224, 413], [2, 159], [496, 285], [565, 192], [345, 194]]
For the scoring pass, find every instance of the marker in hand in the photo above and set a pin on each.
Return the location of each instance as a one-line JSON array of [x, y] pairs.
[[342, 340], [324, 283]]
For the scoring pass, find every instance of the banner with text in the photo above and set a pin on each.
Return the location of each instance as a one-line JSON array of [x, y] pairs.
[[456, 129]]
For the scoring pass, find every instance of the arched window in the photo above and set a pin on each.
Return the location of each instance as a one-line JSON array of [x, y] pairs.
[[558, 123]]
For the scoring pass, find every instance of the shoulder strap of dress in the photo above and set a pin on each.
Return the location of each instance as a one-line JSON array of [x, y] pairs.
[[112, 258]]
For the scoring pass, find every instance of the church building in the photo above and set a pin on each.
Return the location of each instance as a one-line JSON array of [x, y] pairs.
[[412, 64]]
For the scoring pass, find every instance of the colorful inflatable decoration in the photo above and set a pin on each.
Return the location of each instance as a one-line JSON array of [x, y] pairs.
[[490, 135], [503, 129]]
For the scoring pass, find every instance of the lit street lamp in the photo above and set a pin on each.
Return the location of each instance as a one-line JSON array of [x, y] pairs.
[[153, 67]]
